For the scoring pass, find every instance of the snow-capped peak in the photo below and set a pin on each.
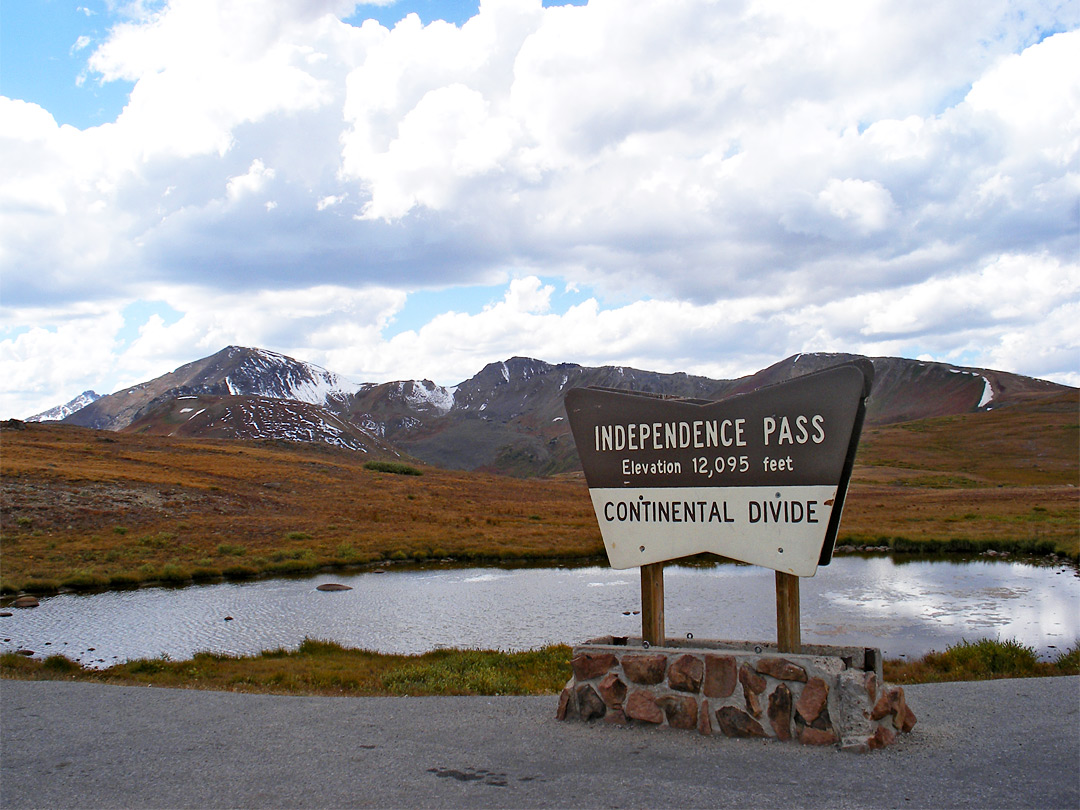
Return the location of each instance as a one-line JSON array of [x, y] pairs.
[[65, 410], [266, 373]]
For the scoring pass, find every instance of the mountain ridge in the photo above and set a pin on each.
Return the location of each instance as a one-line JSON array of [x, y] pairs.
[[506, 418]]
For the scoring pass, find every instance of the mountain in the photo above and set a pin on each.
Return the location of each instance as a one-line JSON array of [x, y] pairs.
[[234, 371], [65, 410], [508, 418], [905, 390]]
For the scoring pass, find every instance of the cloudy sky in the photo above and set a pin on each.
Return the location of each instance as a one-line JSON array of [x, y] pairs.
[[413, 189]]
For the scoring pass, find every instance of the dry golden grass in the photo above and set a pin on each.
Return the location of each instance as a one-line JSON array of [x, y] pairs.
[[1003, 517], [1032, 444], [82, 508], [1003, 476]]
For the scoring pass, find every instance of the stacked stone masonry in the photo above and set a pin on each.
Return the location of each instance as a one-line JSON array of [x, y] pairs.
[[824, 696]]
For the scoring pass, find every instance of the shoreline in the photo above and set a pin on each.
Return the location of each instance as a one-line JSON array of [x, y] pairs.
[[909, 552]]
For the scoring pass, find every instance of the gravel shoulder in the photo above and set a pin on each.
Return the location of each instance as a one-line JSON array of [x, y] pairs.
[[996, 744]]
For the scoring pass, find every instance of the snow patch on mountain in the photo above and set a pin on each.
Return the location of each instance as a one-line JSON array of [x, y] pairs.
[[256, 419], [269, 374], [988, 389], [425, 394]]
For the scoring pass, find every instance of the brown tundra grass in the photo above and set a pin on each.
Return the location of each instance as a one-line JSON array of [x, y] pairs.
[[82, 508]]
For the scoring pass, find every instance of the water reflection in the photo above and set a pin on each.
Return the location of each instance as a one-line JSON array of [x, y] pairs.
[[905, 609]]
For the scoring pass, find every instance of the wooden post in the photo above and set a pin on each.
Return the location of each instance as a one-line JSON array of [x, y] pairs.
[[652, 603], [788, 630]]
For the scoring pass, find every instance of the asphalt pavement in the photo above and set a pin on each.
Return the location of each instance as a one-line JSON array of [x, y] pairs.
[[997, 744]]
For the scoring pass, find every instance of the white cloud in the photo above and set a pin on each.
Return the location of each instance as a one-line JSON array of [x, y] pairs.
[[731, 180], [42, 368], [252, 182], [1036, 95], [869, 206]]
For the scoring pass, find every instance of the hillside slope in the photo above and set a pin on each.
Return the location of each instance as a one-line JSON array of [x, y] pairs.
[[240, 417], [89, 506]]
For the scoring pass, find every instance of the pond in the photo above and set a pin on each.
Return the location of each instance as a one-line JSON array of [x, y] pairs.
[[904, 608]]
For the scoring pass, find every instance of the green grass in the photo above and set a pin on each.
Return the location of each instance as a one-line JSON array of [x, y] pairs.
[[84, 581], [481, 672], [321, 667], [984, 659], [326, 668], [938, 482], [174, 574], [395, 467], [124, 580], [239, 572], [964, 545]]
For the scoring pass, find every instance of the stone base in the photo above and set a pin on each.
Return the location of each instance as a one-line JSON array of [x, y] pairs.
[[823, 696]]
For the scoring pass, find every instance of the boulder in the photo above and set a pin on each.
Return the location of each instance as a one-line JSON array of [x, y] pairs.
[[815, 736], [753, 703], [721, 675], [737, 723], [812, 700], [641, 705], [681, 710], [616, 717], [751, 681], [685, 673], [645, 669], [592, 665], [589, 703], [781, 669], [704, 725], [882, 737], [780, 712], [567, 704], [612, 690]]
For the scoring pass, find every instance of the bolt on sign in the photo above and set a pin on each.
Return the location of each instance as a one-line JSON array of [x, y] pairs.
[[758, 477]]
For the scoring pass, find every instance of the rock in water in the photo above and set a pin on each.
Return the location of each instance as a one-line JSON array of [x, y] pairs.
[[333, 586]]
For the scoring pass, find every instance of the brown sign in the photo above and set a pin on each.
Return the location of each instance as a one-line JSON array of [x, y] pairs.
[[758, 477]]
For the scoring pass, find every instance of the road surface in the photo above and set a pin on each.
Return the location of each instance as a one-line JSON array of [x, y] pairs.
[[998, 744]]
